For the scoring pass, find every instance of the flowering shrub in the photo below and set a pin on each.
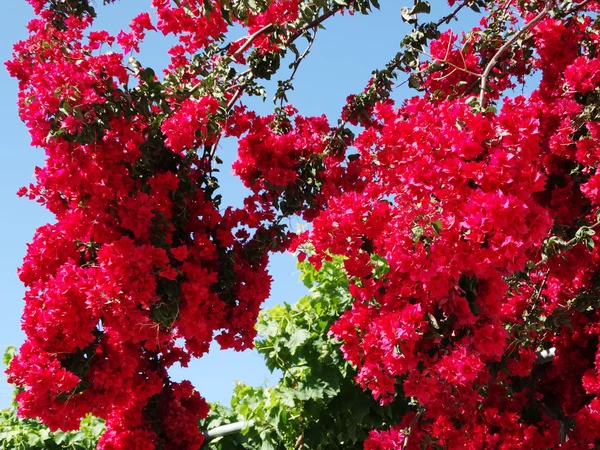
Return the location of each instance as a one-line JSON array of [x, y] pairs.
[[469, 200], [465, 217], [141, 257]]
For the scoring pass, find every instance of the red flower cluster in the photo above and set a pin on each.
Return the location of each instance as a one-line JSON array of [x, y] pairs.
[[458, 204], [274, 149], [140, 257]]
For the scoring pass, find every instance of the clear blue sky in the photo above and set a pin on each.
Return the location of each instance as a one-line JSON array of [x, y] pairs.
[[340, 64]]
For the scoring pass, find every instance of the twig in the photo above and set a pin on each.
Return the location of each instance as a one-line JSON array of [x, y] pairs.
[[566, 246], [538, 294], [230, 104], [444, 61], [243, 74], [299, 60], [410, 428], [507, 44], [453, 14], [237, 86], [267, 28], [250, 39], [311, 41], [315, 23], [250, 75], [575, 8]]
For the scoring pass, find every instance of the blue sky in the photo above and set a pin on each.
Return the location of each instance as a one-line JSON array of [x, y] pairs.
[[340, 64]]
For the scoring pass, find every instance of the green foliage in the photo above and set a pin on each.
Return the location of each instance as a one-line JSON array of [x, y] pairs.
[[316, 405], [27, 434]]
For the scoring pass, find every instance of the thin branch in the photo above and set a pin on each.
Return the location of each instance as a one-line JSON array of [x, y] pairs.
[[237, 86], [452, 15], [507, 44], [250, 39], [575, 9], [311, 41], [243, 74], [266, 29], [410, 428], [444, 61], [315, 23], [230, 104], [299, 60], [566, 246], [270, 27], [538, 293]]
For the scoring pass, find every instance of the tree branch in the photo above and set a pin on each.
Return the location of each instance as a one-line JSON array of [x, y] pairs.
[[507, 44], [445, 61], [250, 39], [452, 15], [230, 104], [575, 9], [297, 62], [315, 23]]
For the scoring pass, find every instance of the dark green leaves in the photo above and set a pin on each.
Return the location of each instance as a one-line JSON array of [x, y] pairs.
[[410, 14]]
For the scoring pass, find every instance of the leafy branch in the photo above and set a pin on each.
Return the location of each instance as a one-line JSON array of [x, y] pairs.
[[490, 66]]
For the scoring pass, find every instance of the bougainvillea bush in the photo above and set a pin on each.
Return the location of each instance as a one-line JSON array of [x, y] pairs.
[[465, 216]]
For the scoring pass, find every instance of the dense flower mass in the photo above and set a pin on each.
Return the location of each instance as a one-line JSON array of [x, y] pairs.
[[459, 204], [141, 257], [465, 217]]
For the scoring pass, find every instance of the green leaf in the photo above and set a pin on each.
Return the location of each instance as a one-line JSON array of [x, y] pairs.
[[147, 75], [33, 439], [437, 226], [45, 434], [589, 243], [9, 354], [421, 7], [417, 233], [407, 16], [60, 437], [297, 339], [433, 321], [474, 307], [267, 445], [414, 81]]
